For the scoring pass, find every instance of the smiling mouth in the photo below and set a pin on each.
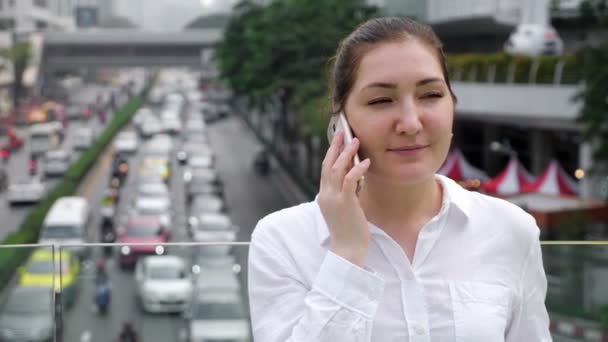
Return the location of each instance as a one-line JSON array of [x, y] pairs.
[[408, 148]]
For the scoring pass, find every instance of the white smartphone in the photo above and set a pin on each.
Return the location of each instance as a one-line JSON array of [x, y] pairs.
[[338, 122]]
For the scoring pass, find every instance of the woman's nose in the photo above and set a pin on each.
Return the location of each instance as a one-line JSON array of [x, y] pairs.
[[408, 120]]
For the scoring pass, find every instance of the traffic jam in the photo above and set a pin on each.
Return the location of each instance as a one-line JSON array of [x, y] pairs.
[[162, 154]]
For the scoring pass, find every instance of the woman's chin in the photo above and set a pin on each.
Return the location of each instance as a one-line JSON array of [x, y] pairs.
[[410, 175]]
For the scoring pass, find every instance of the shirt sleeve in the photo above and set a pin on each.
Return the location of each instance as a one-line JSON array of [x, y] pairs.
[[530, 321], [339, 306]]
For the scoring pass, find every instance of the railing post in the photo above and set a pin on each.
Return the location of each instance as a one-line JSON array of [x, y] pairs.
[[511, 73], [491, 73], [472, 76], [559, 70], [534, 71]]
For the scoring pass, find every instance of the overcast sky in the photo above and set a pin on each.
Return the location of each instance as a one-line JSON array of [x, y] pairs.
[[168, 14]]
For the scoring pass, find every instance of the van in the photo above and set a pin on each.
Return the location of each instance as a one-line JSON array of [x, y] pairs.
[[44, 137], [67, 223], [56, 162]]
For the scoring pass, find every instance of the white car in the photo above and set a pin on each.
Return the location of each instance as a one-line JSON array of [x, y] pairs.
[[172, 125], [218, 317], [213, 227], [26, 191], [83, 138], [150, 127], [534, 40], [164, 284], [153, 189], [56, 162], [154, 206], [126, 142]]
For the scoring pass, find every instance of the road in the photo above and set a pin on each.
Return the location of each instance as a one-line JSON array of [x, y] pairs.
[[17, 165], [249, 197]]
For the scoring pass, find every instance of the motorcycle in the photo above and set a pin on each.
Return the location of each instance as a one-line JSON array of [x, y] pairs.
[[261, 163], [108, 235], [102, 296]]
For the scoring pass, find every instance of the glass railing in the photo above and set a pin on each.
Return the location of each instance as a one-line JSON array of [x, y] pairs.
[[198, 292]]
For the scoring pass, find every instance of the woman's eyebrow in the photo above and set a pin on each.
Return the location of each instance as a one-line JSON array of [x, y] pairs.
[[387, 85], [429, 80]]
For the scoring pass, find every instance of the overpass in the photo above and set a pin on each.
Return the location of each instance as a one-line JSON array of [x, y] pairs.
[[118, 48]]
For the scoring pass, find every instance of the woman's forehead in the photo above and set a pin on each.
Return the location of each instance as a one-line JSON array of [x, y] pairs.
[[402, 62]]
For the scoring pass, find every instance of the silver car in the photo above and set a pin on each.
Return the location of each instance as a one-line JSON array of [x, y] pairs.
[[28, 315], [164, 283], [218, 317], [26, 191]]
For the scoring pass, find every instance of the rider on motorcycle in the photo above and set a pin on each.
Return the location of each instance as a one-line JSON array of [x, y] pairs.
[[127, 334]]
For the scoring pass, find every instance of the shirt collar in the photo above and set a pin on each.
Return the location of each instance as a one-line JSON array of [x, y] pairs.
[[454, 196]]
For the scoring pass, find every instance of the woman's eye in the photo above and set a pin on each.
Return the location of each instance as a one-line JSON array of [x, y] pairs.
[[432, 95], [379, 101]]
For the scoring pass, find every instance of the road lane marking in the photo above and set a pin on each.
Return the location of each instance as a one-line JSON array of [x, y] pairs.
[[92, 179], [86, 336]]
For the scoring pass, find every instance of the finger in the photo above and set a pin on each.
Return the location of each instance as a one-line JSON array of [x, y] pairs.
[[345, 161], [331, 155], [352, 177]]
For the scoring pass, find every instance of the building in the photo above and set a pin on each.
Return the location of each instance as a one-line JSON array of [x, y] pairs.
[[24, 16]]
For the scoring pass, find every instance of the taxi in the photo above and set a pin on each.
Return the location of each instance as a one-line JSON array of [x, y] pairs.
[[39, 270]]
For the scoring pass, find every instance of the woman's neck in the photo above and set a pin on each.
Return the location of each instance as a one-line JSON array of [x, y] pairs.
[[401, 207]]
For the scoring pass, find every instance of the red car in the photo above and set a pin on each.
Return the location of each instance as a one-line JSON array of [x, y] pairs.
[[141, 229]]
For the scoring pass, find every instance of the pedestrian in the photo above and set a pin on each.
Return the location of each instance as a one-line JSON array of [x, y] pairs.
[[412, 256]]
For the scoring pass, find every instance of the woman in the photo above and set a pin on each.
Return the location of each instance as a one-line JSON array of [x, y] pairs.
[[413, 256]]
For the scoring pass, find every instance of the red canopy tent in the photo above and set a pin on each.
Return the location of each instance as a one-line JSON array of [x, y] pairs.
[[509, 181], [553, 181], [458, 168]]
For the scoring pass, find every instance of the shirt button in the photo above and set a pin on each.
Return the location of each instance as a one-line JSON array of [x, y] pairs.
[[418, 329]]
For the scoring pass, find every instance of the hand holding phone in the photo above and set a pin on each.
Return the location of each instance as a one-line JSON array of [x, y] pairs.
[[338, 122], [341, 178]]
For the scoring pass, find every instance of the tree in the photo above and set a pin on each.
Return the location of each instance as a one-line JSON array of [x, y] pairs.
[[284, 48], [19, 55], [594, 113]]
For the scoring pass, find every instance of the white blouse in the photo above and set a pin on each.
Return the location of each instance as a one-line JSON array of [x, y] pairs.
[[476, 276]]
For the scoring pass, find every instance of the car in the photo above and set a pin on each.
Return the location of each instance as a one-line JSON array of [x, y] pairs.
[[200, 186], [534, 40], [154, 206], [217, 317], [171, 125], [74, 111], [153, 189], [28, 315], [201, 161], [56, 162], [210, 222], [83, 138], [155, 166], [213, 227], [141, 229], [150, 127], [205, 175], [26, 190], [142, 115], [126, 142], [163, 284], [206, 204], [192, 148], [43, 269]]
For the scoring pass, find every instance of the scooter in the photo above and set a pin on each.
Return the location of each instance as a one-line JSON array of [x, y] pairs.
[[102, 296], [108, 235]]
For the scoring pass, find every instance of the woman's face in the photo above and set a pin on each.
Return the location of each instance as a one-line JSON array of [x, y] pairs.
[[401, 110]]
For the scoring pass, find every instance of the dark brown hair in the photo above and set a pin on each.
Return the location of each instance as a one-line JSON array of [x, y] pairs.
[[373, 32]]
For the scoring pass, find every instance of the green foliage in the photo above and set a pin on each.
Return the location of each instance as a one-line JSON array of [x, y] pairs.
[[475, 68], [259, 56], [19, 55], [595, 99]]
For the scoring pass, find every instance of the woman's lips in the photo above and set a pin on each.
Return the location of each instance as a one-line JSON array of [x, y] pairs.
[[409, 150]]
